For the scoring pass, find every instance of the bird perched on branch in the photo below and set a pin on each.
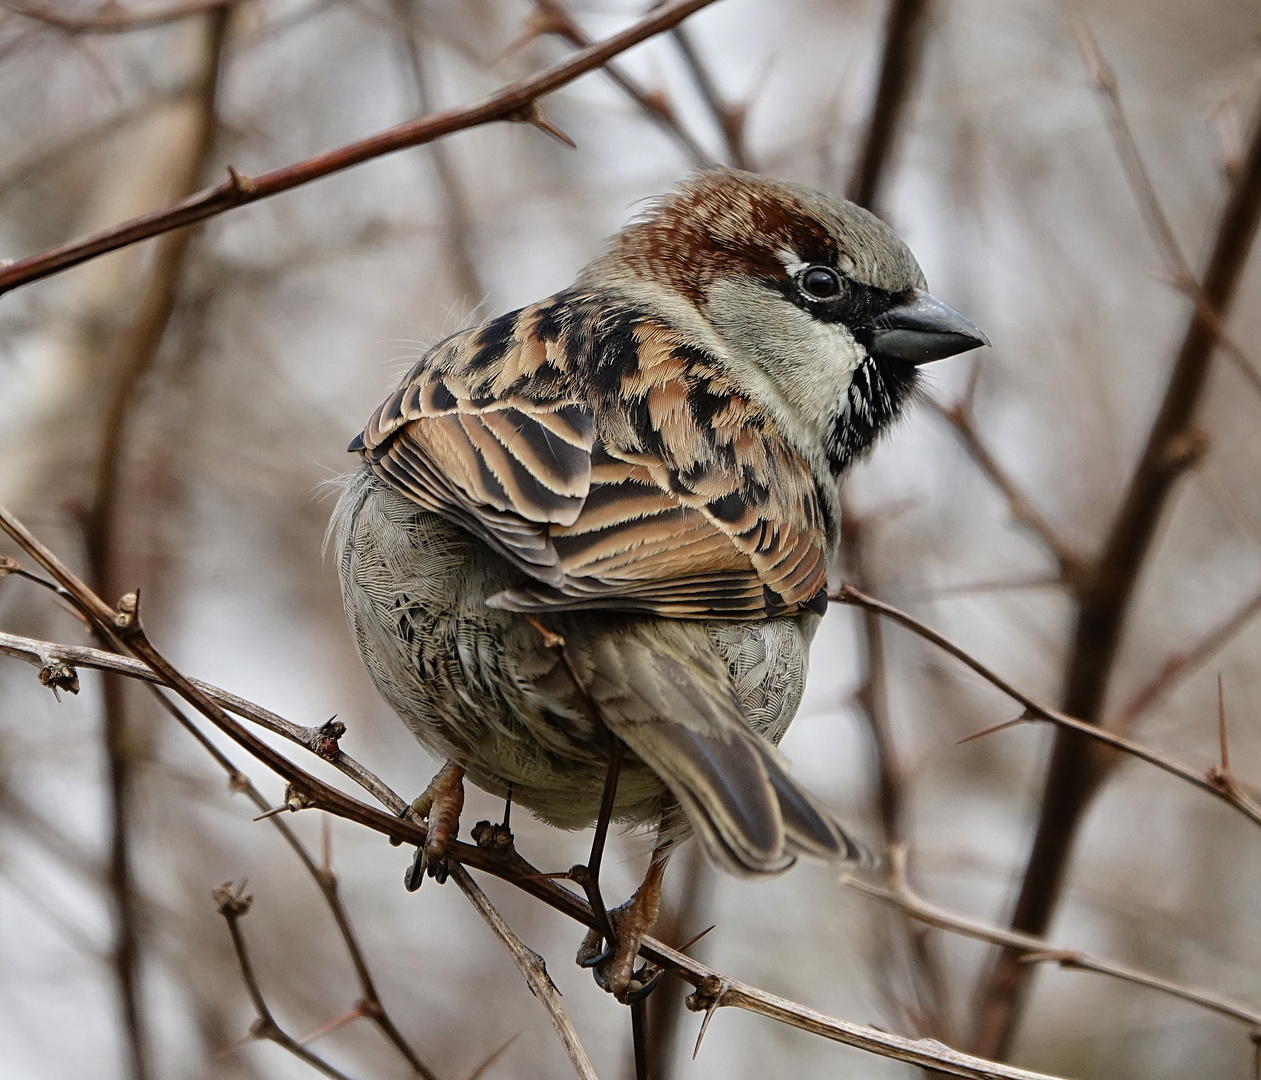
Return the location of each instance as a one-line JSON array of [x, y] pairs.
[[606, 519]]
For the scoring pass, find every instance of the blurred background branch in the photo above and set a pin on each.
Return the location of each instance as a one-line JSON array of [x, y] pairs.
[[167, 411]]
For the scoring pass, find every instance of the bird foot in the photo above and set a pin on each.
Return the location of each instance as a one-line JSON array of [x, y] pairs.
[[613, 964], [492, 835], [440, 805]]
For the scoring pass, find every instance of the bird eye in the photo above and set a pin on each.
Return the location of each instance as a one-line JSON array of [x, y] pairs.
[[820, 282]]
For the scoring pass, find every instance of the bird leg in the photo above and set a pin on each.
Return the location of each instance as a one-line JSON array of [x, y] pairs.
[[631, 922], [440, 805], [589, 876], [611, 949]]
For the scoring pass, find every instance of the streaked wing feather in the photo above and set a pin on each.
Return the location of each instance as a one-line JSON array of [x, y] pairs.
[[646, 483]]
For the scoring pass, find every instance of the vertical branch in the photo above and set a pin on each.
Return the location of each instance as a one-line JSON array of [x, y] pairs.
[[728, 117], [899, 67], [930, 1014], [104, 523], [1173, 445], [458, 225], [678, 921]]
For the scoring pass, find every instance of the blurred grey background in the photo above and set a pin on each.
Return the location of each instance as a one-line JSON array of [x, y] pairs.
[[290, 319]]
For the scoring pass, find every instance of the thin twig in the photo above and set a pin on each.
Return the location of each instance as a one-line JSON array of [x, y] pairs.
[[112, 18], [1037, 710], [1181, 664], [1035, 949], [729, 118], [1154, 217], [1073, 566], [551, 17], [57, 662], [232, 905], [516, 101], [531, 965], [456, 211], [510, 867]]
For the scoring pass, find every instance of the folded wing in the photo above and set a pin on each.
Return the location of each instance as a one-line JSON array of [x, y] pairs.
[[614, 464]]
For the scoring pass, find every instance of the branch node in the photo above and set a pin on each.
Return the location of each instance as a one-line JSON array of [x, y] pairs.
[[324, 741], [1184, 449], [58, 675], [533, 114], [242, 183], [125, 611], [492, 836], [231, 902], [707, 997]]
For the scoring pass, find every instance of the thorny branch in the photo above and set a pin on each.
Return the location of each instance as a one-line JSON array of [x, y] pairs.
[[516, 101], [531, 965], [1173, 446], [58, 670], [112, 18], [1034, 949], [552, 17], [713, 990], [1036, 710], [232, 905]]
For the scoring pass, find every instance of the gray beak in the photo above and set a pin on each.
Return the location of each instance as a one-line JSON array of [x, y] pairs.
[[922, 329]]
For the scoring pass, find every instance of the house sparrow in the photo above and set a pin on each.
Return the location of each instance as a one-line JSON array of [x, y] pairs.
[[645, 464]]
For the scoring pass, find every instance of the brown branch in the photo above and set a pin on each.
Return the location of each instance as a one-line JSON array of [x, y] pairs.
[[1073, 566], [1036, 710], [52, 659], [1139, 179], [1181, 664], [551, 17], [531, 965], [232, 905], [512, 102], [1173, 445], [1035, 950], [57, 664], [104, 520], [730, 118], [458, 223], [111, 17], [504, 864], [899, 66]]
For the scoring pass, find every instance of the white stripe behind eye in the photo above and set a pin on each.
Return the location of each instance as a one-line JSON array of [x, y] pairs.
[[793, 262]]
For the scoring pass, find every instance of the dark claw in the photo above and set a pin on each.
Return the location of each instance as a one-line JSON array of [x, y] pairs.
[[599, 958], [415, 876], [636, 993], [439, 868]]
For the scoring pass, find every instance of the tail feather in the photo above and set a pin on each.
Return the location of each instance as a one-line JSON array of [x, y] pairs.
[[671, 702]]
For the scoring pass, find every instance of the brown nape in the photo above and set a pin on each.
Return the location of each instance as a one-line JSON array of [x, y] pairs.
[[720, 224]]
